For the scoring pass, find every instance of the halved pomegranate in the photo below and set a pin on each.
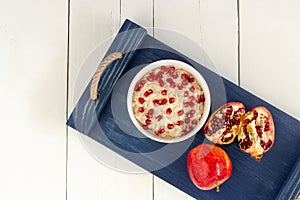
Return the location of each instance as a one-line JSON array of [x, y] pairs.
[[222, 126], [208, 166], [257, 132]]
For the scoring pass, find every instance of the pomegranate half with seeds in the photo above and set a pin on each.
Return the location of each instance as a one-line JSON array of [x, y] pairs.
[[223, 125], [168, 101], [257, 132]]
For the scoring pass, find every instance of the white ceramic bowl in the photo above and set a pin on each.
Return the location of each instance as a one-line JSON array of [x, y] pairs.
[[185, 67]]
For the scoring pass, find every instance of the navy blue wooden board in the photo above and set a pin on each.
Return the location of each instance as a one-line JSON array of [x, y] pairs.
[[267, 179]]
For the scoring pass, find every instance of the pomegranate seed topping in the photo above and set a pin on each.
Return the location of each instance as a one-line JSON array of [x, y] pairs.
[[172, 100], [143, 82], [150, 79], [255, 114], [160, 102], [170, 126], [174, 75], [192, 104], [157, 133], [180, 112], [141, 100], [192, 112], [163, 92], [155, 102], [184, 132], [159, 75], [137, 87], [267, 126], [141, 109], [151, 111], [185, 76], [164, 101], [192, 88], [171, 69], [145, 127], [148, 115], [191, 98], [202, 98], [168, 111], [179, 123], [187, 120], [158, 117], [172, 85], [148, 121], [169, 80], [186, 104], [179, 86], [185, 82], [194, 121], [148, 92], [163, 68], [162, 130], [161, 83], [186, 93], [191, 79]]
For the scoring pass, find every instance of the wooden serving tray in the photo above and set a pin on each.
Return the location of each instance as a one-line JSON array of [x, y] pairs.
[[277, 175]]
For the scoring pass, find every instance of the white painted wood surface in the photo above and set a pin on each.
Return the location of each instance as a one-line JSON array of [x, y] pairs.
[[33, 77]]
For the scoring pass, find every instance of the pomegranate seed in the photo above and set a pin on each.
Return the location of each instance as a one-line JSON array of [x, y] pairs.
[[185, 82], [148, 115], [174, 75], [158, 117], [160, 102], [145, 127], [172, 100], [170, 126], [186, 104], [161, 83], [155, 102], [185, 76], [186, 93], [179, 123], [164, 101], [169, 80], [192, 112], [141, 100], [187, 120], [202, 98], [157, 133], [163, 92], [168, 111], [150, 79], [172, 85], [192, 88], [194, 121], [148, 92], [148, 121], [162, 130], [192, 104], [141, 109], [138, 86], [247, 121], [143, 82], [171, 69], [255, 114], [184, 132], [179, 86], [180, 112], [159, 75], [191, 98], [151, 111], [191, 79], [163, 68]]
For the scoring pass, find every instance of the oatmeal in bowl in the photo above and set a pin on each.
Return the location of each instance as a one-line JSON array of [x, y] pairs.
[[168, 101]]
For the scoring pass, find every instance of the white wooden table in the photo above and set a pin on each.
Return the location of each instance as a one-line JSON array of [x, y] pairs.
[[255, 44]]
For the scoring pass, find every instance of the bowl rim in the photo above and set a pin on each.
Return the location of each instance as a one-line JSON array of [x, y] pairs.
[[186, 67]]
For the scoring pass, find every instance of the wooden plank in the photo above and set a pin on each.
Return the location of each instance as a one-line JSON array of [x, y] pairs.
[[33, 95], [210, 24], [270, 47], [93, 23]]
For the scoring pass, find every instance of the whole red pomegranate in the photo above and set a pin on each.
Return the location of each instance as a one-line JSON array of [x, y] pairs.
[[208, 166], [222, 126], [257, 132]]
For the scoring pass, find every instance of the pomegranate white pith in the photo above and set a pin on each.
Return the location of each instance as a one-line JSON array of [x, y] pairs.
[[168, 102]]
